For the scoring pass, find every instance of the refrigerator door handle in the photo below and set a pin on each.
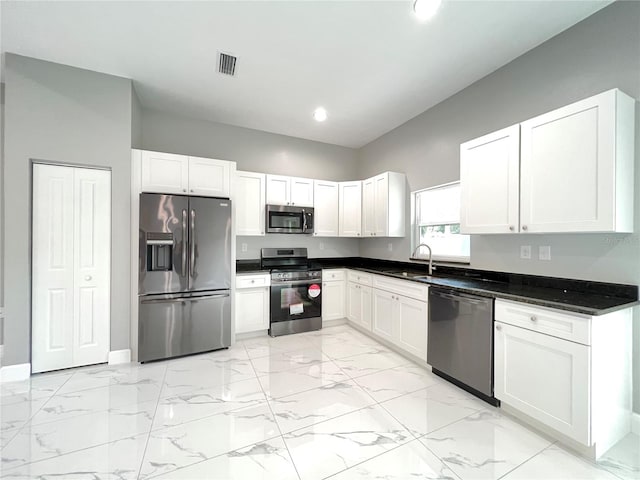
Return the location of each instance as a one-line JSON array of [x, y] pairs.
[[164, 300], [206, 297], [192, 242], [184, 243]]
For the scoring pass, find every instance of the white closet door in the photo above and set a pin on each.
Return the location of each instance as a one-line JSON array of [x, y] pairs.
[[53, 270], [92, 242], [71, 266]]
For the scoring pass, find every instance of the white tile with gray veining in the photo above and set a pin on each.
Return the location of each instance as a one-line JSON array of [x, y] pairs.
[[329, 447], [484, 445], [397, 381], [280, 384], [281, 362], [368, 363], [624, 458], [314, 406], [47, 440], [266, 460], [192, 442], [201, 403], [411, 460], [557, 462], [119, 460]]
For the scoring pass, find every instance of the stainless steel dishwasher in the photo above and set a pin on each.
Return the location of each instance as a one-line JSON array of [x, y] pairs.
[[460, 346]]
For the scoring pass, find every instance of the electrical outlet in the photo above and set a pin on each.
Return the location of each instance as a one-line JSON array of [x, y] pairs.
[[244, 247], [321, 245], [390, 247], [544, 252], [525, 252]]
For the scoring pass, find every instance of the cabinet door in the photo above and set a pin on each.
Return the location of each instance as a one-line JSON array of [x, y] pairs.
[[333, 303], [325, 199], [384, 315], [354, 302], [250, 203], [489, 183], [350, 204], [252, 309], [381, 209], [412, 326], [544, 377], [366, 307], [164, 173], [278, 190], [301, 192], [568, 168], [368, 207], [209, 177]]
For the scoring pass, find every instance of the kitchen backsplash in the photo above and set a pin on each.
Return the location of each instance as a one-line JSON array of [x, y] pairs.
[[317, 247]]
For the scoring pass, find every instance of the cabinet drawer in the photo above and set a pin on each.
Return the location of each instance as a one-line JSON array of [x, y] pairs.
[[252, 281], [569, 326], [402, 287], [332, 275], [359, 277]]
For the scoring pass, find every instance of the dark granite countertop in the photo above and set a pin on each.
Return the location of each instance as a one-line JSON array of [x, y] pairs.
[[579, 296]]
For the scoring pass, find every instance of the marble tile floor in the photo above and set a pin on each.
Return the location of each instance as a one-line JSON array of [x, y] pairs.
[[327, 404]]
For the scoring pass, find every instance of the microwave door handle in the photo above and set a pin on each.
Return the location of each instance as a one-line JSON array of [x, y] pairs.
[[184, 243], [304, 221]]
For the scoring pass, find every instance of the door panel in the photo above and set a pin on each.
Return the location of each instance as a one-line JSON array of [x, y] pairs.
[[250, 203], [71, 266], [52, 268], [384, 315], [209, 177], [350, 205], [381, 210], [209, 243], [164, 172]]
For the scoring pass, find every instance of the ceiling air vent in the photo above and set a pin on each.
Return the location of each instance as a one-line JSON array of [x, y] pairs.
[[227, 64]]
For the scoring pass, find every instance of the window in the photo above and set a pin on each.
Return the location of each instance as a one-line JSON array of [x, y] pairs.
[[437, 223]]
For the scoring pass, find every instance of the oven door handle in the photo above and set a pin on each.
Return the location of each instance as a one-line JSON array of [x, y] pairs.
[[284, 283]]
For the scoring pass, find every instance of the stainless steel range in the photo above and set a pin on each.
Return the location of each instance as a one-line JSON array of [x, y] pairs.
[[296, 291]]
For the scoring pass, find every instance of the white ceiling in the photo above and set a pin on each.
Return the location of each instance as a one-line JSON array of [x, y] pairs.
[[372, 65]]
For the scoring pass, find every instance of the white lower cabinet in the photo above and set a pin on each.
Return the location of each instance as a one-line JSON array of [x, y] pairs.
[[333, 294], [545, 377], [252, 303], [359, 304], [401, 320], [569, 372]]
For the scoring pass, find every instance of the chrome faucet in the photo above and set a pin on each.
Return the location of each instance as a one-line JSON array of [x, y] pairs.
[[413, 256]]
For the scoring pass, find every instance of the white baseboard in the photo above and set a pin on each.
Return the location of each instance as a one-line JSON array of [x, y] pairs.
[[119, 356], [635, 423], [15, 373]]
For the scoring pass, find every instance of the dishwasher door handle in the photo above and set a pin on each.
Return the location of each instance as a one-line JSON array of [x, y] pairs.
[[460, 296]]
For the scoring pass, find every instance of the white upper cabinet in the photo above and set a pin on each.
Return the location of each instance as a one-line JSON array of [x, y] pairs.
[[209, 177], [179, 174], [383, 205], [165, 173], [489, 183], [350, 205], [326, 218], [293, 191], [577, 167], [250, 203]]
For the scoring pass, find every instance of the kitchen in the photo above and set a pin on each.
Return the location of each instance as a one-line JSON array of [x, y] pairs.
[[574, 65]]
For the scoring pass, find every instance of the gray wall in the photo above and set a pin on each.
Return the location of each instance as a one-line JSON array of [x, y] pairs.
[[63, 114], [253, 150], [600, 53], [136, 119]]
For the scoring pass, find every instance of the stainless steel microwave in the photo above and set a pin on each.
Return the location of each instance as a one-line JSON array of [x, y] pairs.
[[287, 219]]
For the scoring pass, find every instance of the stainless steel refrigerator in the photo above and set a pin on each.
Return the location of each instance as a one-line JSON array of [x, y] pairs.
[[184, 275]]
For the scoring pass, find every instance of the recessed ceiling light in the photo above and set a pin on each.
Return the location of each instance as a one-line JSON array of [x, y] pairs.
[[426, 9], [320, 114]]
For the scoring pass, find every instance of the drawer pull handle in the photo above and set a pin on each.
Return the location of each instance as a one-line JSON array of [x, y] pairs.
[[498, 327], [534, 318]]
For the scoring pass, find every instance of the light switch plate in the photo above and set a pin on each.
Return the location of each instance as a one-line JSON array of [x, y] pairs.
[[544, 252], [390, 247], [321, 246], [244, 247], [525, 252]]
